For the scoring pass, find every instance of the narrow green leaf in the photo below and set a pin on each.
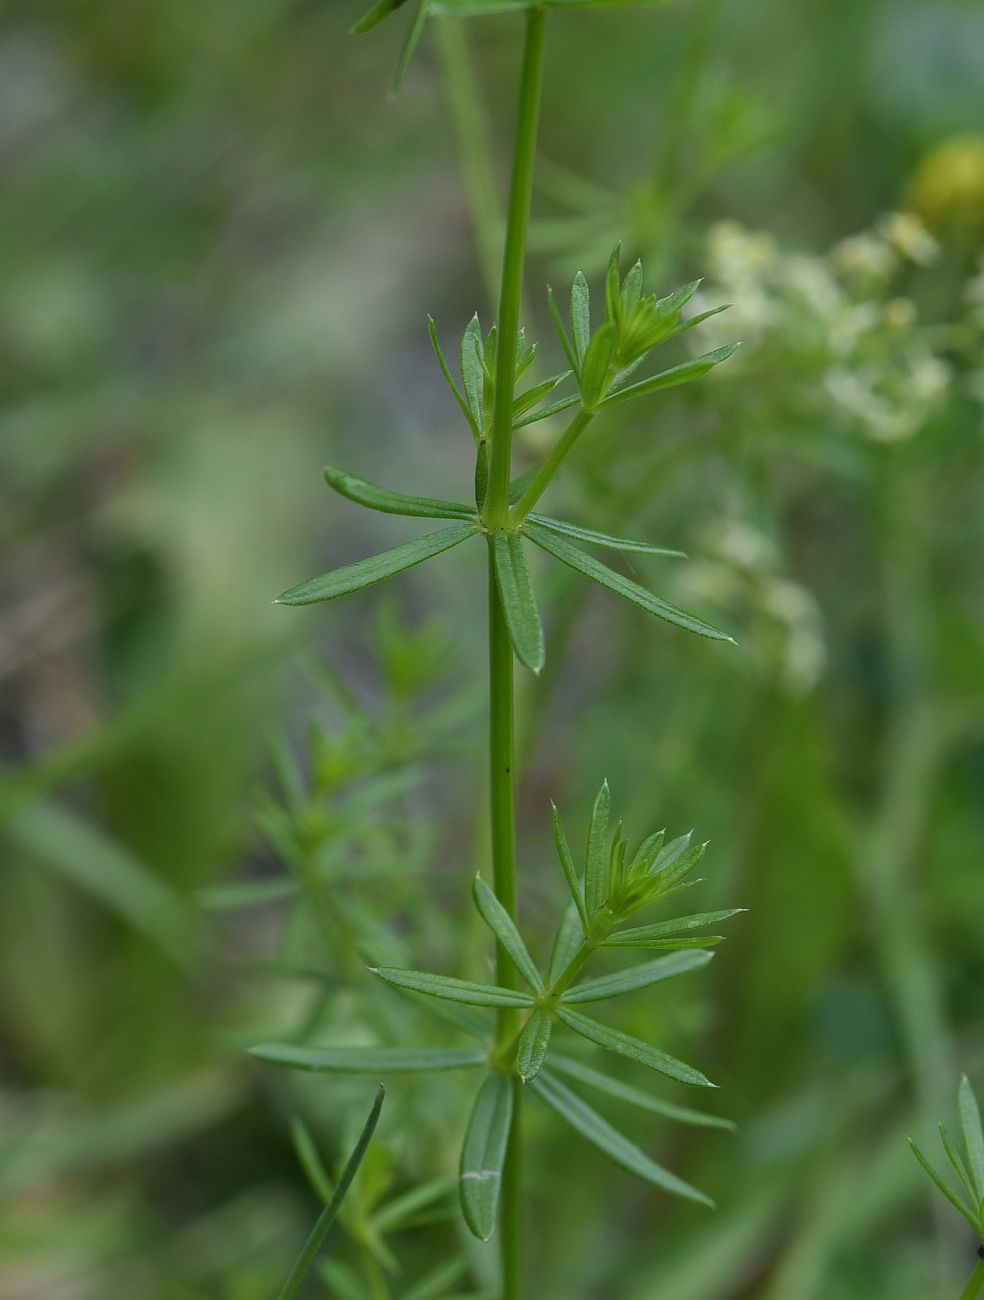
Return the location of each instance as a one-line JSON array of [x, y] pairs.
[[631, 289], [368, 1060], [595, 366], [580, 317], [635, 1096], [520, 483], [376, 15], [693, 321], [449, 378], [483, 1155], [669, 876], [951, 1196], [574, 885], [375, 497], [957, 1163], [503, 927], [634, 1048], [533, 1043], [613, 301], [670, 853], [399, 1209], [621, 586], [537, 393], [562, 335], [680, 374], [640, 936], [564, 404], [596, 859], [481, 472], [455, 990], [309, 1159], [569, 938], [353, 577], [518, 600], [601, 1134], [327, 1216], [472, 369], [601, 539], [647, 853], [436, 1282], [410, 44], [970, 1127], [637, 977]]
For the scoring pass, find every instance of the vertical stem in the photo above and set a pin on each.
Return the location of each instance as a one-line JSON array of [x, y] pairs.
[[496, 515], [514, 256], [976, 1284]]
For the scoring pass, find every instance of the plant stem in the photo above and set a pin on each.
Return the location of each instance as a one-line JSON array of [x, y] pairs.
[[541, 480], [496, 515], [510, 296], [976, 1284]]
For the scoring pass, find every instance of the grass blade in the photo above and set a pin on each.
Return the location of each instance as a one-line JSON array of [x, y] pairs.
[[364, 573], [455, 990], [635, 1096], [327, 1216], [367, 1060], [680, 374], [483, 1155], [601, 1134], [638, 977], [970, 1127], [533, 1043], [601, 539], [621, 586], [634, 1048], [503, 927], [574, 885], [518, 600], [364, 493], [596, 859]]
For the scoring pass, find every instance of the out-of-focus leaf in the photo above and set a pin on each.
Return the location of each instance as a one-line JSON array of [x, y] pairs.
[[327, 1216], [596, 858], [483, 1155], [377, 14], [680, 374], [601, 539], [367, 1060], [970, 1128], [518, 600], [389, 502], [601, 1134], [413, 36], [503, 927], [637, 977], [957, 1164], [364, 573], [533, 1043], [635, 1096], [633, 1048], [397, 1211], [455, 990], [437, 1281], [621, 586]]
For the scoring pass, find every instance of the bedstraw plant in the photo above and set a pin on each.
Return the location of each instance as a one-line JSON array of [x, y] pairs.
[[607, 351]]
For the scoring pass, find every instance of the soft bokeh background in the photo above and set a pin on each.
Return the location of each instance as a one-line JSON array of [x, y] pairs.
[[219, 241]]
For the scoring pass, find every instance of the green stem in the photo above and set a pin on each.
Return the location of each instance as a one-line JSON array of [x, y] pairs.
[[496, 512], [541, 480], [976, 1284]]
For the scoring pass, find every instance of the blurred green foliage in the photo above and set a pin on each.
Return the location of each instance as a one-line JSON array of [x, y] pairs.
[[218, 243]]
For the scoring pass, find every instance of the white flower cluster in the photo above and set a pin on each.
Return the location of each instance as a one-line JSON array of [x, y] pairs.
[[847, 351]]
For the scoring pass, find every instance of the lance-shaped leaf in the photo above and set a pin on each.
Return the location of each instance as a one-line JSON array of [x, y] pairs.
[[472, 369], [413, 36], [596, 859], [533, 1043], [957, 1164], [635, 1096], [526, 401], [644, 936], [601, 1134], [578, 560], [680, 374], [518, 601], [368, 1060], [376, 15], [970, 1128], [375, 497], [574, 885], [569, 938], [328, 1214], [503, 927], [580, 317], [968, 1213], [454, 990], [596, 364], [353, 577], [601, 539], [564, 404], [483, 1155], [449, 378], [634, 1048], [637, 977], [561, 331]]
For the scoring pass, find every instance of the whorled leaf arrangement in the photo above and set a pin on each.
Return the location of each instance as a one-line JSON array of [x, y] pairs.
[[601, 362], [604, 897]]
